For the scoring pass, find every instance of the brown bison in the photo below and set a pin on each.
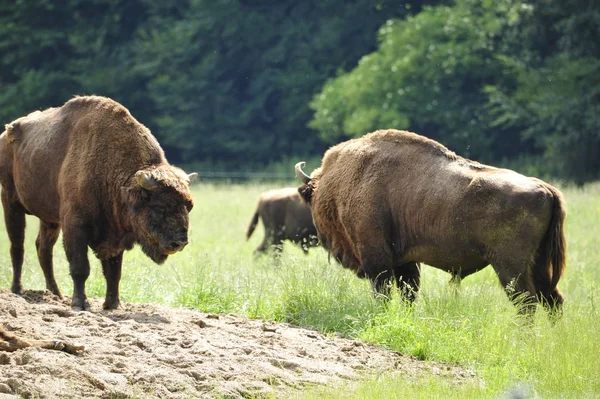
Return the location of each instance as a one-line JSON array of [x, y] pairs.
[[92, 170], [10, 343], [285, 217], [391, 199]]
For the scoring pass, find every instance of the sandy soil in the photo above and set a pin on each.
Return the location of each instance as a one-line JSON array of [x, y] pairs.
[[151, 351]]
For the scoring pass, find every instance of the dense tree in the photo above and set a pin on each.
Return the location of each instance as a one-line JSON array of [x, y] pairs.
[[492, 80], [223, 81], [428, 76], [232, 82], [556, 98], [51, 51]]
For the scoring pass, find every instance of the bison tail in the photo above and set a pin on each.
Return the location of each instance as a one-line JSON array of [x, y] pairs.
[[252, 225], [552, 254]]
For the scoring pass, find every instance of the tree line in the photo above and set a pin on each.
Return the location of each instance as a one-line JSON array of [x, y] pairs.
[[239, 82]]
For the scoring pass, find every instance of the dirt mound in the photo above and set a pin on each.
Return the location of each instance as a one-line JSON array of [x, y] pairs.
[[146, 350]]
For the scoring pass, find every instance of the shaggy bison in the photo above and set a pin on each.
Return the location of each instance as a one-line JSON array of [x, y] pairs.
[[386, 201], [92, 170], [285, 216]]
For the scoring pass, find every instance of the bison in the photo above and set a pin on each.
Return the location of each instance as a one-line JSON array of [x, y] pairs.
[[387, 201], [285, 216], [90, 169]]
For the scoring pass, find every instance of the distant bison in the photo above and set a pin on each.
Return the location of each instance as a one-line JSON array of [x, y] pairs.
[[92, 169], [285, 217], [391, 199]]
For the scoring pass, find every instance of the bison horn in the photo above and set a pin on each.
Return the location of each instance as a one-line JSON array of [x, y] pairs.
[[145, 180], [304, 178], [192, 177]]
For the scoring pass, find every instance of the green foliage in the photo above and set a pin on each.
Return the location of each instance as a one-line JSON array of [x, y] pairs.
[[225, 81], [232, 80], [232, 83], [491, 80], [427, 76], [555, 99]]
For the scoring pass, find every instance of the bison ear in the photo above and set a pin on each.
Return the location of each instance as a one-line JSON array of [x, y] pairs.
[[145, 180], [192, 177], [306, 192]]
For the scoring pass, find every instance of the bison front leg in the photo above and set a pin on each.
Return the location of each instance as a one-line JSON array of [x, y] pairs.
[[14, 218], [408, 279], [44, 244], [381, 282], [76, 244], [381, 275], [10, 343], [377, 264], [112, 273]]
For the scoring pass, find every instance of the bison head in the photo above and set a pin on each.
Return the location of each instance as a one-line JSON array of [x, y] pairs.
[[159, 202]]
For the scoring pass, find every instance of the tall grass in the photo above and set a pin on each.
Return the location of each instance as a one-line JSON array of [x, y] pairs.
[[475, 326]]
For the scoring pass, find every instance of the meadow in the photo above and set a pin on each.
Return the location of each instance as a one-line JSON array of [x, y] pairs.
[[474, 326]]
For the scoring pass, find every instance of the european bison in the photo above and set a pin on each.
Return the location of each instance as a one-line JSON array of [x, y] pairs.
[[92, 169], [285, 217], [386, 201], [10, 343]]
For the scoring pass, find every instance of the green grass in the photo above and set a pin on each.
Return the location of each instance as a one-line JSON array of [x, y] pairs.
[[475, 326]]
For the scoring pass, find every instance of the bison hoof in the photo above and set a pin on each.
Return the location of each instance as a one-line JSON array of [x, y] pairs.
[[111, 304], [17, 289], [55, 291], [80, 305]]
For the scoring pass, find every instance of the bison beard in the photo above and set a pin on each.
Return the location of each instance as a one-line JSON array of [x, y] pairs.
[[392, 199], [91, 169], [154, 252]]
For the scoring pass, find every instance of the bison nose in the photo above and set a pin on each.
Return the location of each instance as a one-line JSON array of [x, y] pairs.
[[177, 245]]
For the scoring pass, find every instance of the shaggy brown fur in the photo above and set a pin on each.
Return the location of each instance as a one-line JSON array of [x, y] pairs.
[[285, 217], [10, 343], [391, 199], [92, 169]]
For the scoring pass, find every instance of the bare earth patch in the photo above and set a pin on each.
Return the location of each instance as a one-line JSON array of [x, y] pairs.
[[152, 351]]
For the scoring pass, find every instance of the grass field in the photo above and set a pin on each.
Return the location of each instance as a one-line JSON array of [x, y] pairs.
[[476, 327]]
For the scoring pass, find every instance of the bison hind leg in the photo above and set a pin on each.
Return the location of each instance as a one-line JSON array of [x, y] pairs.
[[44, 243], [518, 286], [553, 303], [14, 218]]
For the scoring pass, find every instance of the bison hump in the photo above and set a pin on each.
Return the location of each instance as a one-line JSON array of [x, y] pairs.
[[14, 130]]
